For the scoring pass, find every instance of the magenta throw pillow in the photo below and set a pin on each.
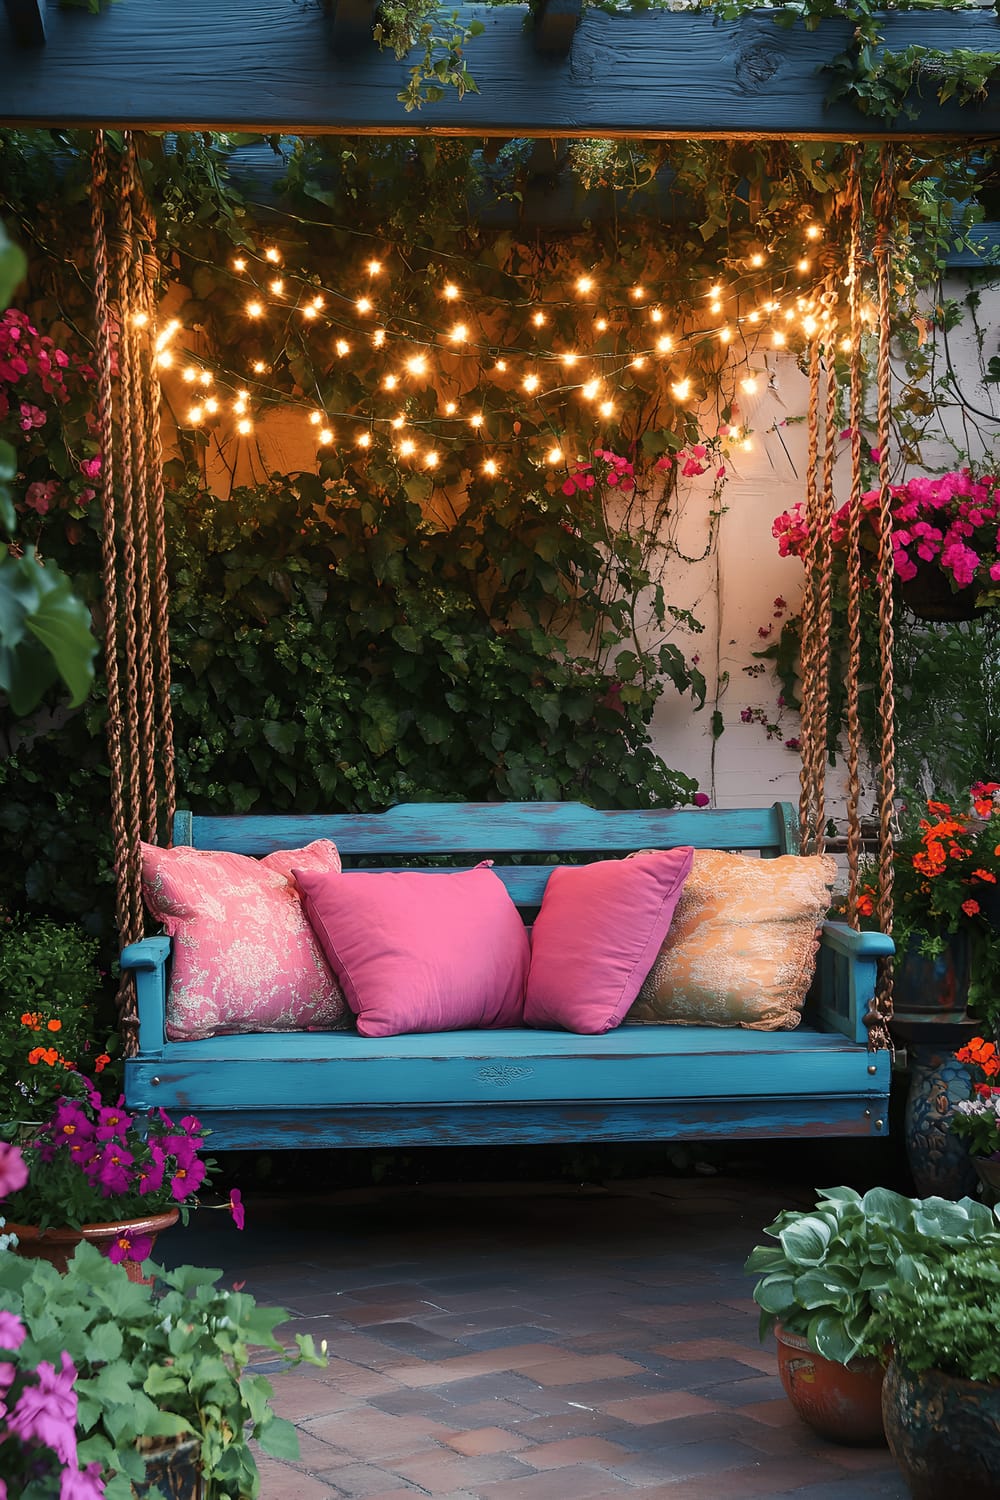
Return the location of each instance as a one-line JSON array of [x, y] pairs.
[[244, 957], [597, 936], [416, 951]]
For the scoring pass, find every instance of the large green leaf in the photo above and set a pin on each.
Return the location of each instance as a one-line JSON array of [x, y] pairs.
[[44, 633], [13, 267], [805, 1242], [61, 623]]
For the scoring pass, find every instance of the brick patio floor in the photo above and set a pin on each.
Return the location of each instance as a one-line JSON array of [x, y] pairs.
[[530, 1342]]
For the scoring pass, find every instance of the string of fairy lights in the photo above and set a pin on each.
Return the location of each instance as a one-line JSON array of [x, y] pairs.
[[427, 376]]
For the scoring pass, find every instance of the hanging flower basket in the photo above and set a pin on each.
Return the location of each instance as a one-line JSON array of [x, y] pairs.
[[930, 596]]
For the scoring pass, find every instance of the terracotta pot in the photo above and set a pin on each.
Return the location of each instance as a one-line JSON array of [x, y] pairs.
[[57, 1245], [841, 1402], [943, 1432]]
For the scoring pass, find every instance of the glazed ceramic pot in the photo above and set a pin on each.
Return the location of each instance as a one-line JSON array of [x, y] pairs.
[[841, 1402], [56, 1245], [943, 1432], [173, 1470]]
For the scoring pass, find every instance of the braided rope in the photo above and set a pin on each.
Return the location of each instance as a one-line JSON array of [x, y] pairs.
[[134, 300], [855, 267], [809, 812], [124, 909], [884, 204], [824, 605]]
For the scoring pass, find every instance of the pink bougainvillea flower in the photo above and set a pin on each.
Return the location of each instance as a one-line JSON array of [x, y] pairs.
[[91, 467], [12, 1331], [46, 1411], [81, 1484], [13, 1170], [236, 1208], [701, 799]]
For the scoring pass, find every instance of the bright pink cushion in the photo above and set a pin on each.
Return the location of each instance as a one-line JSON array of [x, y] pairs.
[[416, 951], [597, 935], [244, 956]]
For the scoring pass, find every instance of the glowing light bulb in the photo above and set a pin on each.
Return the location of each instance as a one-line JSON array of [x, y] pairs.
[[195, 415], [190, 375], [554, 456], [753, 317], [491, 467], [205, 377], [315, 418], [390, 382], [277, 286], [607, 408], [254, 310], [431, 459], [714, 291], [750, 386], [715, 307], [778, 339], [809, 326], [747, 445], [407, 447], [664, 344], [258, 367], [477, 420], [589, 391], [364, 439], [501, 367], [324, 435], [342, 347], [450, 409], [363, 305], [239, 407], [656, 316], [316, 303], [451, 291], [530, 383], [459, 333], [272, 254], [309, 312], [813, 232], [845, 345], [211, 406], [538, 319], [374, 267], [681, 389], [244, 426], [637, 293], [569, 360], [789, 315], [239, 264], [243, 395], [165, 359], [725, 335], [639, 363], [378, 338], [601, 324], [585, 284], [802, 266], [140, 319], [417, 364], [398, 422], [757, 260]]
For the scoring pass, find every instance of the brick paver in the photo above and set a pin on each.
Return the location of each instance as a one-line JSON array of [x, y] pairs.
[[506, 1342]]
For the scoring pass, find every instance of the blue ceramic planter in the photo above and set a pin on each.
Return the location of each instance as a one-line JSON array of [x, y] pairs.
[[944, 1433]]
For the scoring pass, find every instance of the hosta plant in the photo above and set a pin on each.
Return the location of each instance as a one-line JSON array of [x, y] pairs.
[[822, 1278]]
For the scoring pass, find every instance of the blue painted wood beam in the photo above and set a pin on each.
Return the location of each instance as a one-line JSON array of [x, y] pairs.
[[277, 66]]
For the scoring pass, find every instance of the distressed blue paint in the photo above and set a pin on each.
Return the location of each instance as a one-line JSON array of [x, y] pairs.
[[637, 1082], [278, 66]]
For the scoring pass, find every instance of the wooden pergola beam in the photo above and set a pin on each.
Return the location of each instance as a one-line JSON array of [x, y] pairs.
[[275, 65]]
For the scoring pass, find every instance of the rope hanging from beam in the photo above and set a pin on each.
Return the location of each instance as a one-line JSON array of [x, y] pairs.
[[817, 606], [133, 560]]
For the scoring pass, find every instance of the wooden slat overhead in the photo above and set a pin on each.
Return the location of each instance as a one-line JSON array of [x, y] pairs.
[[277, 65]]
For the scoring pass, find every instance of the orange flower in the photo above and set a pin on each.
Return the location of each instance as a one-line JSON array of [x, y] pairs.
[[100, 1063], [35, 1055], [865, 906], [31, 1018], [971, 907], [984, 875], [55, 1025], [50, 1056], [940, 808]]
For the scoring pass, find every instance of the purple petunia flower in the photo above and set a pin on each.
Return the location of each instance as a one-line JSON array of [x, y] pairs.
[[128, 1246], [13, 1171], [151, 1172], [187, 1180], [110, 1169], [236, 1208]]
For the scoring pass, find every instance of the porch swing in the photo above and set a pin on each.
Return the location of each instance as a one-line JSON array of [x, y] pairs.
[[653, 1082]]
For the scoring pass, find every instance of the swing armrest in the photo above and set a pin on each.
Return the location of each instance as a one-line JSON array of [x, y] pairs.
[[148, 960], [846, 971]]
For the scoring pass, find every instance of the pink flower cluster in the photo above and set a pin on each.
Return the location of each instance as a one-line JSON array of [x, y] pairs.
[[611, 469], [951, 521], [38, 1423]]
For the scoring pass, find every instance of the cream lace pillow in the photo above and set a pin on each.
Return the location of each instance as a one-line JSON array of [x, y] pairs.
[[741, 949]]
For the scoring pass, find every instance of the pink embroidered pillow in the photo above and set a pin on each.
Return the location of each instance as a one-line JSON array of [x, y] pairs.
[[244, 956], [598, 931], [417, 951]]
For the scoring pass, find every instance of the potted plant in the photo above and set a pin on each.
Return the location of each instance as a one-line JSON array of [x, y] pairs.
[[155, 1366], [941, 1397], [976, 1120], [817, 1288], [97, 1173], [49, 980]]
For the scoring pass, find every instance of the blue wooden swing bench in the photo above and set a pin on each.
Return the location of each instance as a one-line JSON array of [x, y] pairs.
[[651, 1082]]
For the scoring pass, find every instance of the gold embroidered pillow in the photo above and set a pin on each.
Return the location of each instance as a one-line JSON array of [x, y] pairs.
[[741, 949]]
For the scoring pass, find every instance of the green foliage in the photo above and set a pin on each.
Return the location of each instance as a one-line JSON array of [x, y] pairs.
[[942, 1313], [335, 649], [49, 982], [156, 1363], [823, 1277], [45, 633]]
